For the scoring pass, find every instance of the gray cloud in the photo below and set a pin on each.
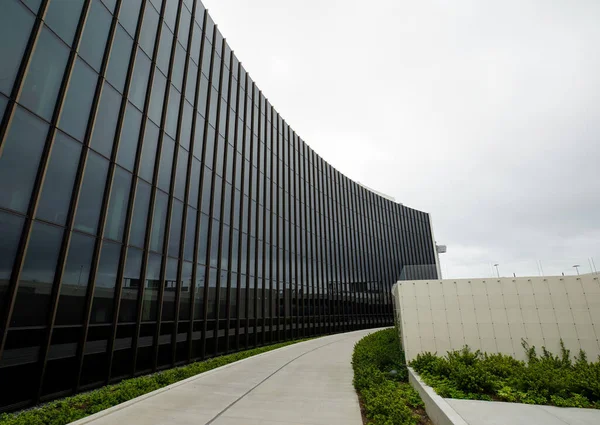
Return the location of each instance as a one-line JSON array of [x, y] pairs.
[[485, 114]]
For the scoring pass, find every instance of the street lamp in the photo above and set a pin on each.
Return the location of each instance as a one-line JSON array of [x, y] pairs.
[[576, 266], [497, 272]]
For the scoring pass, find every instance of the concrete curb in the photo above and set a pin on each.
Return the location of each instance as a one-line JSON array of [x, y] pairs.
[[128, 403], [438, 409]]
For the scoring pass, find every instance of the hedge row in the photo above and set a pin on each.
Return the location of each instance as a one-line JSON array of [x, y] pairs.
[[69, 409], [380, 378], [542, 379]]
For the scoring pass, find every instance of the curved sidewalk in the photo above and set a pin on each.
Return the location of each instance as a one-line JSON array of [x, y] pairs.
[[304, 383]]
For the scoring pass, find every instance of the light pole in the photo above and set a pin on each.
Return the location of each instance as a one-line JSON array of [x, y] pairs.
[[497, 272], [576, 266]]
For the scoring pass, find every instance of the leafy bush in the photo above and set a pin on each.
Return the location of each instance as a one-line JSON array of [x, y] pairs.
[[69, 409], [542, 379], [380, 377]]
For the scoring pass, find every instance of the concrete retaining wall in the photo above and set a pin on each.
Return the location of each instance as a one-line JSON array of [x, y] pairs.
[[494, 315]]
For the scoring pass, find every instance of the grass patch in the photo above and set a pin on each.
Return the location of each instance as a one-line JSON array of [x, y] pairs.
[[380, 378], [542, 379], [70, 409]]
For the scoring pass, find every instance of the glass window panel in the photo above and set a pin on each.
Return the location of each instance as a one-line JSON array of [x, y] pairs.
[[44, 75], [196, 42], [159, 85], [149, 147], [73, 290], [214, 243], [199, 136], [199, 293], [164, 49], [60, 177], [106, 279], [171, 13], [166, 163], [131, 285], [95, 33], [178, 67], [190, 231], [130, 133], [139, 79], [106, 121], [117, 208], [175, 231], [209, 147], [152, 286], [194, 183], [212, 292], [173, 112], [119, 59], [78, 102], [159, 221], [91, 193], [186, 291], [186, 125], [15, 25], [206, 186], [149, 27], [202, 239], [63, 16], [190, 86], [140, 214], [37, 276], [206, 52], [184, 26], [129, 14], [10, 229], [182, 163], [168, 310], [20, 158]]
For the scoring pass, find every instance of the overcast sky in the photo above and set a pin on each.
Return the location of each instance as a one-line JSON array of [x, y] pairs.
[[486, 114]]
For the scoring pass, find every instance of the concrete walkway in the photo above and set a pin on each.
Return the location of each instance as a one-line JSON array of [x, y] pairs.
[[305, 383]]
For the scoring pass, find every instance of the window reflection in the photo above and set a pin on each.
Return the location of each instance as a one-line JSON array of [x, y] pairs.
[[168, 307], [63, 16], [106, 279], [140, 214], [131, 285], [106, 120], [37, 276], [186, 291], [92, 191], [95, 33], [130, 133], [117, 209], [129, 14], [148, 34], [119, 59], [151, 288], [74, 285], [78, 102], [139, 79], [60, 177], [20, 158], [10, 229], [150, 144], [159, 221], [15, 25], [166, 163], [45, 74]]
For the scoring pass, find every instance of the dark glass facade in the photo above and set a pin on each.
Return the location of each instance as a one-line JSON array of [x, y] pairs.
[[155, 209]]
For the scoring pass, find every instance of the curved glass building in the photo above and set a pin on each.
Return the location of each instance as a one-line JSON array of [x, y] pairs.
[[155, 209]]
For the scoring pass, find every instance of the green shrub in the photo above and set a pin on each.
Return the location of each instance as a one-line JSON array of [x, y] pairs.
[[380, 377], [69, 409], [543, 379]]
